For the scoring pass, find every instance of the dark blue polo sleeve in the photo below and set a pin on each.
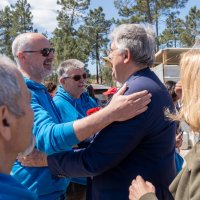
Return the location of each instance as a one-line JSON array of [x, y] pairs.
[[109, 148]]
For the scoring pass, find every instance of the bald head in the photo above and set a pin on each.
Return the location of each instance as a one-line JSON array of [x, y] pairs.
[[25, 41], [33, 55]]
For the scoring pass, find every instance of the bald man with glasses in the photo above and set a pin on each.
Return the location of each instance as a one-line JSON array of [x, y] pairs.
[[34, 56]]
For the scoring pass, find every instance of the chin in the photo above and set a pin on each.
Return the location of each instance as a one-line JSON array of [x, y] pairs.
[[46, 72]]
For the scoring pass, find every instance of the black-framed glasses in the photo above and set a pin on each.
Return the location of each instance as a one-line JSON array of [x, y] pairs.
[[45, 52], [77, 77]]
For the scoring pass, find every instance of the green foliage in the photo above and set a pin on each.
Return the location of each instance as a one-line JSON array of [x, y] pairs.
[[171, 35], [13, 21], [106, 73], [191, 28], [85, 37], [69, 42], [95, 30], [180, 32], [73, 9], [21, 17], [5, 29], [146, 11]]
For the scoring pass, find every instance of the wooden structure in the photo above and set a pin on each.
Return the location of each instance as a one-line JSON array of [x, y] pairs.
[[166, 64]]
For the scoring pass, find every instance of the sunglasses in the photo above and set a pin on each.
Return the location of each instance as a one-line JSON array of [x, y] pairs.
[[45, 52], [77, 77]]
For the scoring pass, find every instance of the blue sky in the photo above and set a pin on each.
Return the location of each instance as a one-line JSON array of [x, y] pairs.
[[45, 12], [110, 11]]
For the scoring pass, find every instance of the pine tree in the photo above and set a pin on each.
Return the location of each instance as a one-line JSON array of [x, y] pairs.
[[107, 76], [67, 41], [96, 29], [182, 32], [74, 9], [5, 28], [191, 28], [170, 37], [21, 17], [146, 11], [13, 21]]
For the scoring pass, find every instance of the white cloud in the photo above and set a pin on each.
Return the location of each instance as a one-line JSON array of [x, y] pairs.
[[3, 3], [44, 20], [44, 13]]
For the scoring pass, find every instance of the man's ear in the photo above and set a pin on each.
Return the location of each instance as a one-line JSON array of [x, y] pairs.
[[62, 81], [5, 122], [20, 55], [127, 56]]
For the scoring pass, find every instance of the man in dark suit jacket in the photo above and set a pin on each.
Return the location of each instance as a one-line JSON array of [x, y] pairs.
[[143, 145]]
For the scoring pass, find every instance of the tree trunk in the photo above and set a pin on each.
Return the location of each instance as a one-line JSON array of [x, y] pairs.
[[97, 58]]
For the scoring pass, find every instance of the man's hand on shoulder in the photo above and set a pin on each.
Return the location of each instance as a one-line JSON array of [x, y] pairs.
[[123, 107]]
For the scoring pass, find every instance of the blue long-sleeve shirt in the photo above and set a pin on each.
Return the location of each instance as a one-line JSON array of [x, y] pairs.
[[52, 136], [143, 145], [11, 189], [71, 109]]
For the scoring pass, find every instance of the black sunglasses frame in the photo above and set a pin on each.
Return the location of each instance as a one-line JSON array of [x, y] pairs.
[[45, 52], [77, 77]]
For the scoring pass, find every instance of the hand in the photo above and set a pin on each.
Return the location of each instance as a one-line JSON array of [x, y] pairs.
[[35, 159], [123, 107], [139, 187], [178, 89], [179, 140]]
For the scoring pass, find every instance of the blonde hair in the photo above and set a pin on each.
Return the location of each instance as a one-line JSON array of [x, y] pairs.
[[190, 80]]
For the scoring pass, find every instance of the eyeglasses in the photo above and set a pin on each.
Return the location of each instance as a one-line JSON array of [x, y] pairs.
[[109, 51], [45, 52], [77, 77]]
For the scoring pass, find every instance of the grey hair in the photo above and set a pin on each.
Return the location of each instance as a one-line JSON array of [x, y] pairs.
[[21, 43], [67, 66], [10, 86], [138, 40]]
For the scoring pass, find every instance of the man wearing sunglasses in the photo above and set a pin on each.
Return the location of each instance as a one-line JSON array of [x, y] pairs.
[[34, 57], [73, 101]]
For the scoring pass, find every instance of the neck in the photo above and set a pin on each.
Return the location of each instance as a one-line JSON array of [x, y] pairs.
[[75, 96], [6, 160], [31, 77], [129, 70]]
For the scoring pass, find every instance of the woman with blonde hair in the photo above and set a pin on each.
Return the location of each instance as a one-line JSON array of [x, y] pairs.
[[186, 184]]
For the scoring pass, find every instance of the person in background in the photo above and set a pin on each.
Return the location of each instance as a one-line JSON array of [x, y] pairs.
[[91, 92], [51, 87], [186, 184], [109, 93], [178, 90], [34, 56], [171, 85], [16, 121], [73, 102], [142, 145]]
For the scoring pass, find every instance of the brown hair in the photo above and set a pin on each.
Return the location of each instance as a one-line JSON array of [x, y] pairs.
[[50, 85]]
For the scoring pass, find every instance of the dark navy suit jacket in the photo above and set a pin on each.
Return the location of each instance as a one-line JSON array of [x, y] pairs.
[[143, 145]]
